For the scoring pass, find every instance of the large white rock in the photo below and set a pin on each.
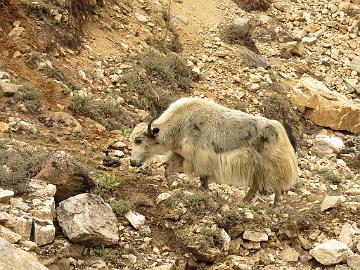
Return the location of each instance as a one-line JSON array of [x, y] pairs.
[[325, 107], [12, 258], [87, 219], [255, 236], [330, 202], [331, 252]]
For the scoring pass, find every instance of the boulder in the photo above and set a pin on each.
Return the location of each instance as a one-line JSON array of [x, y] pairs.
[[16, 259], [289, 254], [331, 252], [88, 220], [69, 176], [255, 236], [325, 107], [6, 195]]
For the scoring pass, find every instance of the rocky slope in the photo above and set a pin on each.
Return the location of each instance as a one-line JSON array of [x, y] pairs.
[[76, 76]]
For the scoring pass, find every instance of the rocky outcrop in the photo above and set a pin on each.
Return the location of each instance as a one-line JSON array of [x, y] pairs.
[[87, 219], [69, 176], [325, 107], [16, 259]]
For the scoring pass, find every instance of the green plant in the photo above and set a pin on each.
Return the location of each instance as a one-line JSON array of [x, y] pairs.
[[227, 218], [121, 207], [126, 132], [102, 251], [196, 199], [82, 105], [330, 175], [31, 97], [58, 74], [107, 181]]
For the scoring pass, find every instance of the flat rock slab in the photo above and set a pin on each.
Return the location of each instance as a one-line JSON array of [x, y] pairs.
[[87, 219]]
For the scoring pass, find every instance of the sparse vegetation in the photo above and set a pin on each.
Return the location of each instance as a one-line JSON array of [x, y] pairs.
[[107, 181], [227, 218], [58, 74], [31, 97], [253, 5], [240, 106], [102, 251], [18, 165], [330, 175], [107, 113], [168, 75], [121, 207]]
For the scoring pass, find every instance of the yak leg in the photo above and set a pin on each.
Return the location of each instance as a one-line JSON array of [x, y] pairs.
[[204, 180], [252, 192], [277, 198]]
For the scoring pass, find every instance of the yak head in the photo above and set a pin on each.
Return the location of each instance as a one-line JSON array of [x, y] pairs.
[[144, 144]]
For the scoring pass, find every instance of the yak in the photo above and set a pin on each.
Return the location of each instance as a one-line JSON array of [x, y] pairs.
[[219, 145]]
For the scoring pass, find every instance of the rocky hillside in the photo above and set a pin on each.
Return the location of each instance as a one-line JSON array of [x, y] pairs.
[[77, 76]]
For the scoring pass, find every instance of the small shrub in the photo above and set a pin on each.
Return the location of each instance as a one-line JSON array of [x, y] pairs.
[[57, 74], [330, 176], [102, 251], [31, 97], [227, 218], [108, 181], [133, 81], [121, 207], [196, 199], [253, 5], [82, 105]]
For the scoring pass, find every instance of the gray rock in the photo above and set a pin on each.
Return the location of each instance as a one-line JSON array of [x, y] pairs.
[[354, 262], [355, 64], [69, 176], [252, 59], [6, 195], [87, 219], [330, 252], [12, 258], [242, 24]]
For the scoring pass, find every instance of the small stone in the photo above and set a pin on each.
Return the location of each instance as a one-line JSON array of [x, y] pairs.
[[342, 267], [289, 254], [141, 18], [251, 245], [225, 240], [163, 267], [242, 26], [162, 197], [9, 89], [58, 17], [255, 236], [16, 31], [4, 127], [6, 195], [135, 219], [330, 252], [354, 262], [118, 153], [23, 226], [309, 40], [330, 202]]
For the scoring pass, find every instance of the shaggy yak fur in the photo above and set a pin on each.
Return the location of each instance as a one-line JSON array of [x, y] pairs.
[[220, 145]]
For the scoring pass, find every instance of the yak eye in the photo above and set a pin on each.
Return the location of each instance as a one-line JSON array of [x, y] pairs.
[[138, 141]]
